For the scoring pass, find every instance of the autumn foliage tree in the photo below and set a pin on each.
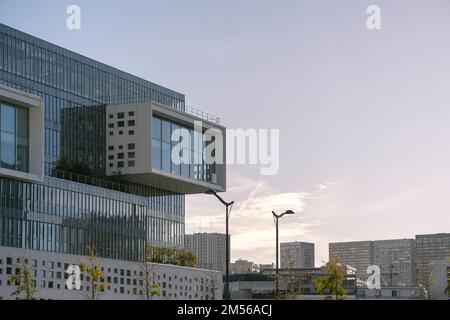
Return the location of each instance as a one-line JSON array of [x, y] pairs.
[[333, 283], [173, 256], [24, 281], [94, 275], [151, 288]]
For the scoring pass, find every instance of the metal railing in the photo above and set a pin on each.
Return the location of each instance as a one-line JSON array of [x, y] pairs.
[[201, 114], [103, 182]]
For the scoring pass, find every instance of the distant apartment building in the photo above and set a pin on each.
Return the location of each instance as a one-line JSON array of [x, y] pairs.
[[430, 248], [403, 262], [209, 249], [358, 254], [297, 255], [396, 259], [243, 266]]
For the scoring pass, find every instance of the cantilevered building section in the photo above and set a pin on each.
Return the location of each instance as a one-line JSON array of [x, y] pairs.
[[86, 155], [137, 132]]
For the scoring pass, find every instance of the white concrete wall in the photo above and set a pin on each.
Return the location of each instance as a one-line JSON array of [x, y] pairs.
[[178, 283]]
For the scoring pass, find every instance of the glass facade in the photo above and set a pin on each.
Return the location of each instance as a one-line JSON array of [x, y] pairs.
[[64, 217], [67, 81], [13, 137], [61, 216], [162, 147]]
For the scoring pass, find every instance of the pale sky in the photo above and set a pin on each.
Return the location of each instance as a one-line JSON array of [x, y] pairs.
[[363, 115]]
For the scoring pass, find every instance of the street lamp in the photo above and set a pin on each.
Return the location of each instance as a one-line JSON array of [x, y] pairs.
[[275, 219], [228, 206]]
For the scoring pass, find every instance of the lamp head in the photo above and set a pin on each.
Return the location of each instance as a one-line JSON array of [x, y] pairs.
[[284, 213], [212, 192]]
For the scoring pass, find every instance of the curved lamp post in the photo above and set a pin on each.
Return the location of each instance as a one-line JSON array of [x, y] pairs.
[[228, 206], [275, 219]]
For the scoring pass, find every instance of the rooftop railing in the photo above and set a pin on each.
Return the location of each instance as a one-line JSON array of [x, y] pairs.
[[202, 115], [118, 99]]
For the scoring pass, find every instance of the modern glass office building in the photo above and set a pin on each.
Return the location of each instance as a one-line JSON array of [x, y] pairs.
[[106, 177]]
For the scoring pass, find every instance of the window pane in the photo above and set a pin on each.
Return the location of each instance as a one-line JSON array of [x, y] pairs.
[[8, 122], [8, 150], [175, 127], [156, 128], [166, 159], [22, 122], [156, 154], [165, 131], [176, 168], [22, 154], [185, 170]]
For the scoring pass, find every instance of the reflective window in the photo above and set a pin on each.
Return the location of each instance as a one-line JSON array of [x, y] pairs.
[[156, 154], [14, 137], [156, 128], [166, 159], [163, 147], [166, 133], [8, 116], [7, 150]]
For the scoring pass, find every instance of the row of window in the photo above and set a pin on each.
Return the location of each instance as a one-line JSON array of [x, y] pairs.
[[121, 124]]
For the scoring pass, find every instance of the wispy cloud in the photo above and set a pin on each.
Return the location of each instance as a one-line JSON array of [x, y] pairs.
[[251, 221]]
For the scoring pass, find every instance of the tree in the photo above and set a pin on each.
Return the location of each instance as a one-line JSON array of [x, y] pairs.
[[151, 288], [64, 164], [24, 281], [187, 259], [332, 284], [94, 275], [291, 279], [426, 280], [213, 286], [173, 256]]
